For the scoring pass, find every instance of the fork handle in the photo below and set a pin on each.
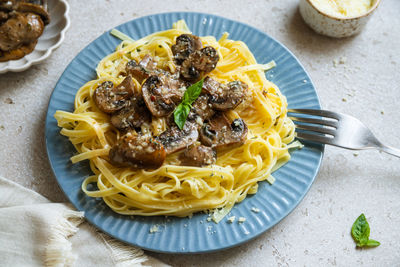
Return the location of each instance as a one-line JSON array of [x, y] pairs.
[[390, 150]]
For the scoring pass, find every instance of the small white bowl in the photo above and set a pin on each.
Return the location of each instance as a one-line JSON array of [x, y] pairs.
[[334, 26], [52, 37]]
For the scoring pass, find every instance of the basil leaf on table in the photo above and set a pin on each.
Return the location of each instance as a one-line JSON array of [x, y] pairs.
[[360, 232], [182, 110], [373, 243]]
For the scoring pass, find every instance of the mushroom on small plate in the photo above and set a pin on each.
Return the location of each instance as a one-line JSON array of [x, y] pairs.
[[51, 38]]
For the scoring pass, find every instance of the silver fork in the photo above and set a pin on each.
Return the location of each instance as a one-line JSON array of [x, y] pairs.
[[336, 129]]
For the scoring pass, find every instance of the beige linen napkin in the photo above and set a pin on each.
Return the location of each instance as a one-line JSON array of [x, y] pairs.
[[36, 232]]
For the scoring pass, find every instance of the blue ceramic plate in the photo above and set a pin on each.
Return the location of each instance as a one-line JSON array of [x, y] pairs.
[[184, 235]]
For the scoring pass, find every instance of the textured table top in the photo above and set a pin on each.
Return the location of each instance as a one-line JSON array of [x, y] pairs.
[[357, 75]]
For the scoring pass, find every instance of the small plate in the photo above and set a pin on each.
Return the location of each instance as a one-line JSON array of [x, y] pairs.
[[196, 234], [52, 37]]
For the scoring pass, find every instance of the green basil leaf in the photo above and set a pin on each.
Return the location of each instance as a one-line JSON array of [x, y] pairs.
[[373, 243], [192, 93], [360, 230], [182, 110], [180, 115]]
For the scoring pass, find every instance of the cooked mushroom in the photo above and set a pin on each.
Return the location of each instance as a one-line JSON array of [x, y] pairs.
[[185, 45], [198, 156], [162, 93], [198, 63], [109, 98], [138, 151], [33, 8], [18, 52], [201, 109], [20, 29], [22, 23], [132, 115], [3, 16], [220, 133], [146, 67], [224, 97], [174, 139]]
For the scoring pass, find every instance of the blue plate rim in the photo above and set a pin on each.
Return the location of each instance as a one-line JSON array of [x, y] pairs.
[[321, 148]]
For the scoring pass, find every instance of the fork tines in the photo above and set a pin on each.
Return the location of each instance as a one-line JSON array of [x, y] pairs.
[[314, 125]]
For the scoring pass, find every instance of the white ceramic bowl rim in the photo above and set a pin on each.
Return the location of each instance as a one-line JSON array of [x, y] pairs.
[[346, 18]]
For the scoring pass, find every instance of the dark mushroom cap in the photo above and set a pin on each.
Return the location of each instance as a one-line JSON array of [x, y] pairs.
[[33, 8], [198, 63], [132, 115], [20, 29], [198, 156], [146, 67], [138, 151], [185, 44], [201, 108], [220, 133], [175, 139], [224, 97], [110, 99], [162, 93]]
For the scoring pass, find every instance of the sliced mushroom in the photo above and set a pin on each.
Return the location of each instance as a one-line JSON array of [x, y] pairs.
[[20, 29], [185, 45], [138, 151], [34, 8], [198, 156], [162, 93], [3, 16], [201, 109], [224, 97], [198, 63], [220, 133], [132, 115], [17, 53], [110, 99], [174, 139], [146, 67]]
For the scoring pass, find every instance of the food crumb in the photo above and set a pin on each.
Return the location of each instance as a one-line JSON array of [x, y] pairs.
[[154, 229], [254, 209], [355, 154], [246, 232], [344, 99], [231, 219], [382, 112], [304, 81], [208, 219], [241, 220], [9, 101], [2, 127], [341, 60]]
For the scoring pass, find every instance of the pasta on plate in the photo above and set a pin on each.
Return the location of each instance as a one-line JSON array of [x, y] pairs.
[[175, 189]]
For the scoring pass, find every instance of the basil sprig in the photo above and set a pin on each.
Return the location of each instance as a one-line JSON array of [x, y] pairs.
[[182, 110], [360, 232]]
